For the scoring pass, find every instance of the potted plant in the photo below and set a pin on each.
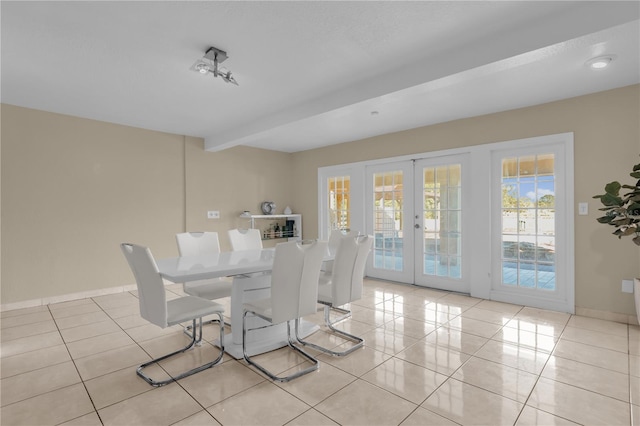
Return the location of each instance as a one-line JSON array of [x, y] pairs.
[[623, 213]]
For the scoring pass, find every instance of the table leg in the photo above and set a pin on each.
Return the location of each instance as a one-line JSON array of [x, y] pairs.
[[261, 340]]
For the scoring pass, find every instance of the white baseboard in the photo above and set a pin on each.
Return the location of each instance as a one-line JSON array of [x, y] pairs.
[[609, 316], [65, 298]]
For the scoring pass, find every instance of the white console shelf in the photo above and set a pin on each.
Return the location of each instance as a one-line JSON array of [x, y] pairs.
[[261, 222]]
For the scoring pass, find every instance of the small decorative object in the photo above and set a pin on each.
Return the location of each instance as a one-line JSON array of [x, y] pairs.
[[246, 213], [287, 210], [268, 207], [623, 213]]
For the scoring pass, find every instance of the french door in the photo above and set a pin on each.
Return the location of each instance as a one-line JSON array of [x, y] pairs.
[[414, 211], [530, 245], [340, 200], [390, 219], [441, 199], [491, 220]]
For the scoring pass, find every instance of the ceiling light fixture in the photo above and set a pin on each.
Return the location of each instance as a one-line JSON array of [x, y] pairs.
[[202, 68], [600, 62], [209, 64]]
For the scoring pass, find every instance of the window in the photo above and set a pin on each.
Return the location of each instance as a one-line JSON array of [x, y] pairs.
[[339, 202]]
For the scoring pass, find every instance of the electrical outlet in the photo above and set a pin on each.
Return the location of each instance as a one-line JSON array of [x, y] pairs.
[[213, 214], [627, 286]]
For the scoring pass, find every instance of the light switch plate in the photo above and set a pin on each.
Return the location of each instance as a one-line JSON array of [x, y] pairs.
[[213, 214], [583, 209]]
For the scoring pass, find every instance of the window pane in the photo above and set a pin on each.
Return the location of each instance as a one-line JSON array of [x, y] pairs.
[[388, 216], [509, 167], [528, 222], [546, 165], [339, 202], [442, 203]]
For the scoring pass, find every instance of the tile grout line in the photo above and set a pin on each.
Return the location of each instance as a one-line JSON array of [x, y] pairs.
[[540, 375], [95, 410]]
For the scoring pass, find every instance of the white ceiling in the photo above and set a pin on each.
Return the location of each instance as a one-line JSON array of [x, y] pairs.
[[310, 73]]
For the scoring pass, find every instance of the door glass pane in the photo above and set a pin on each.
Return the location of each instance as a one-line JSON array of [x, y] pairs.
[[339, 202], [441, 221], [387, 220], [528, 222]]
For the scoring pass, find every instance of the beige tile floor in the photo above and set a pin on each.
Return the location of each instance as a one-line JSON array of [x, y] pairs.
[[430, 357]]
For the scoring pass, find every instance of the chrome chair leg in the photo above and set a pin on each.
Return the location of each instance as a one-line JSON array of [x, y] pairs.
[[345, 314], [193, 341], [290, 342], [187, 329], [359, 342]]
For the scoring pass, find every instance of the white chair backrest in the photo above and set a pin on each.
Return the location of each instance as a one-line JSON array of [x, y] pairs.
[[196, 243], [294, 279], [151, 295], [245, 239], [365, 242], [342, 272], [348, 269], [334, 239]]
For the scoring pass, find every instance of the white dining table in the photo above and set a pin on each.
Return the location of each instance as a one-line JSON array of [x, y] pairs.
[[250, 270]]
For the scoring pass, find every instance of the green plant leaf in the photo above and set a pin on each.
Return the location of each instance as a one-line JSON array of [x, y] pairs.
[[612, 188], [605, 219], [622, 211], [611, 200], [621, 221]]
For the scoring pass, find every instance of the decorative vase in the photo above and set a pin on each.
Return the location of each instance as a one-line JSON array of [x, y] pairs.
[[287, 210], [636, 296]]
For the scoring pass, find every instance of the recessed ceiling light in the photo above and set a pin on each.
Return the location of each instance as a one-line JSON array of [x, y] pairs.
[[600, 62], [374, 113]]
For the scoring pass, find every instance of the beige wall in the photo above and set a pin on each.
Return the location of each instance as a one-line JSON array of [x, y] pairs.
[[607, 145], [232, 181], [73, 189]]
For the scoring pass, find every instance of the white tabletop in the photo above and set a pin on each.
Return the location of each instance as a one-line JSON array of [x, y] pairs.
[[237, 264], [225, 264]]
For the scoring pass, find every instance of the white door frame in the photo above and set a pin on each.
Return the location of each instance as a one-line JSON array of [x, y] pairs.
[[563, 297]]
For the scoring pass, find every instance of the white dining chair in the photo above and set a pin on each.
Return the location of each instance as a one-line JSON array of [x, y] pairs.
[[155, 308], [197, 244], [344, 286], [294, 290], [245, 239], [203, 243], [332, 246]]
